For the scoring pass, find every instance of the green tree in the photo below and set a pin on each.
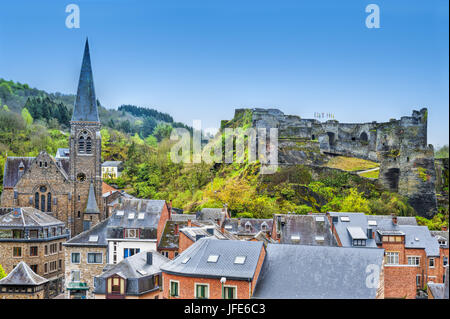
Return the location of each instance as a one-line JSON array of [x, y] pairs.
[[162, 131], [27, 117], [2, 272]]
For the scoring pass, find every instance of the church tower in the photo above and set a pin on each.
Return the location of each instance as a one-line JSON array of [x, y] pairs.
[[85, 152]]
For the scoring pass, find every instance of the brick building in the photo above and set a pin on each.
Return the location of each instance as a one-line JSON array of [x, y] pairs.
[[62, 185], [215, 269], [28, 235]]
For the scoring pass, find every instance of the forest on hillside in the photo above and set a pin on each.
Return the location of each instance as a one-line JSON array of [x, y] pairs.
[[32, 120]]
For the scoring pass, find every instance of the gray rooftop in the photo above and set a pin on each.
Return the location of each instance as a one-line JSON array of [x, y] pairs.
[[211, 214], [97, 234], [111, 164], [91, 206], [317, 272], [182, 217], [85, 108], [304, 229], [204, 230], [22, 275], [197, 265], [136, 270], [22, 217], [62, 153], [169, 237], [441, 235], [357, 225], [247, 226]]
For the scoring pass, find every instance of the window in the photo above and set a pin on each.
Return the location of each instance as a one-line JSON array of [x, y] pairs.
[[75, 258], [413, 260], [43, 202], [34, 233], [94, 258], [418, 280], [229, 292], [34, 268], [53, 248], [359, 242], [45, 268], [240, 260], [46, 250], [49, 202], [36, 200], [81, 144], [131, 233], [445, 261], [17, 251], [127, 252], [60, 264], [88, 145], [116, 285], [52, 266], [213, 258], [60, 246], [75, 275], [431, 262], [33, 251], [174, 288], [391, 258], [78, 214], [201, 291]]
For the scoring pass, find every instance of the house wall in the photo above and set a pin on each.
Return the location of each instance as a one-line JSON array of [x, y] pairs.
[[143, 245], [184, 242], [87, 271], [165, 216], [36, 295]]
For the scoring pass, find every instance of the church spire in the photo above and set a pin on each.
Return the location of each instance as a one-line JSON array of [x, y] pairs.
[[92, 207], [85, 108]]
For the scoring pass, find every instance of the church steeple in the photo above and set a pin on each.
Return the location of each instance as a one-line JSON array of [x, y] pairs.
[[91, 207], [85, 108]]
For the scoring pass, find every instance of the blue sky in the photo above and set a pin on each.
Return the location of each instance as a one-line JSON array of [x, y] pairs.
[[201, 59]]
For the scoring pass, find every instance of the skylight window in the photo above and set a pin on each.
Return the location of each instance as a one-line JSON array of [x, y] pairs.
[[141, 216], [93, 238], [142, 272], [213, 258], [320, 219], [295, 237], [372, 222], [131, 216], [345, 219], [240, 260], [228, 227], [320, 238], [185, 260], [120, 213]]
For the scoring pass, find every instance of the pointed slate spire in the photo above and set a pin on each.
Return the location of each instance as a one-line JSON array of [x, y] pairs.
[[85, 108], [91, 207]]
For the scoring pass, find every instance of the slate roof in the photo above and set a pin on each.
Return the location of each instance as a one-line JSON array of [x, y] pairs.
[[227, 250], [307, 227], [317, 272], [440, 291], [85, 108], [111, 164], [401, 220], [182, 217], [22, 275], [11, 173], [82, 239], [211, 214], [126, 215], [358, 223], [169, 239], [137, 272], [439, 234], [28, 217], [195, 232], [62, 153], [239, 226], [92, 207], [415, 236]]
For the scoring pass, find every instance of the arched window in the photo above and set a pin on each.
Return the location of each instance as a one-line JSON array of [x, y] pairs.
[[49, 202], [88, 145], [363, 137], [81, 144], [43, 202], [36, 200]]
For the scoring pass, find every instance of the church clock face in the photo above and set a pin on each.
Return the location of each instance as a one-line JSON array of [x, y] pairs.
[[81, 177]]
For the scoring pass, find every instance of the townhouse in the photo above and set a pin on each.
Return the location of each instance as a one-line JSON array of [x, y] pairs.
[[136, 277], [215, 269], [36, 238], [85, 257]]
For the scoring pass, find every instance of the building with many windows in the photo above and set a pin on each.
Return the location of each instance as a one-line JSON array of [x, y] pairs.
[[36, 238]]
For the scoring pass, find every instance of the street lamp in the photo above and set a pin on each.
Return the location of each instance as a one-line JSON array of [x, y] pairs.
[[223, 280]]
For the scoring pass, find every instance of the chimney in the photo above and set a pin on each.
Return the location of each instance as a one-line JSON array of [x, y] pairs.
[[189, 224], [394, 219], [149, 258], [177, 230], [218, 221], [225, 209], [444, 228], [222, 227], [170, 209]]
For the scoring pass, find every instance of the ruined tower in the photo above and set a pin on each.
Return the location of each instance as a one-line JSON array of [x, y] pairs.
[[85, 152]]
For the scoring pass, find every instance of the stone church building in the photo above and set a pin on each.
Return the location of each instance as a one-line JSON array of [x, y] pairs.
[[68, 188]]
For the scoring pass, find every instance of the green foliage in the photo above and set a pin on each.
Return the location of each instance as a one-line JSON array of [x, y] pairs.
[[2, 272], [162, 131], [441, 152], [27, 117], [47, 109], [436, 223]]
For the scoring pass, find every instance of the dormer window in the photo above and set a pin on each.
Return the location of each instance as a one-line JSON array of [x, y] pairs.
[[264, 226], [248, 226]]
